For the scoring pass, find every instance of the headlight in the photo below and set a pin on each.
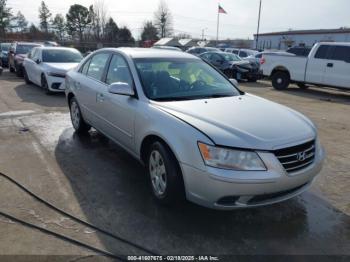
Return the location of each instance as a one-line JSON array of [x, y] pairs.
[[231, 159], [55, 74]]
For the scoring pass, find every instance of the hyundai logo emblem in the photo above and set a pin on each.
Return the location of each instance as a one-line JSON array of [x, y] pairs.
[[301, 156]]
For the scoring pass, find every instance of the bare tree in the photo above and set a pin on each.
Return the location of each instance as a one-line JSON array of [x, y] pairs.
[[99, 17], [163, 20]]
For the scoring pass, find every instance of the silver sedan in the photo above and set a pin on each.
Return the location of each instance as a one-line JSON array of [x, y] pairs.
[[198, 135]]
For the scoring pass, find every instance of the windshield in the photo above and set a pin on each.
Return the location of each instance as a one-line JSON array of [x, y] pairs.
[[24, 49], [5, 47], [231, 57], [182, 79], [61, 56]]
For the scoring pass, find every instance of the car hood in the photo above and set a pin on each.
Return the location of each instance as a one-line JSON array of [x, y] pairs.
[[245, 121], [60, 67]]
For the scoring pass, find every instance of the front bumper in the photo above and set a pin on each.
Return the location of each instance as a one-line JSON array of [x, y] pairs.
[[228, 189], [56, 84]]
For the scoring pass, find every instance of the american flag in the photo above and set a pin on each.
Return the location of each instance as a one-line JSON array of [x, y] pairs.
[[221, 10]]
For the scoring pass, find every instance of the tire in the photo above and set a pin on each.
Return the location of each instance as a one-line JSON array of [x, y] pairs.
[[12, 70], [165, 175], [280, 80], [78, 122], [45, 85], [26, 78], [302, 86], [19, 71]]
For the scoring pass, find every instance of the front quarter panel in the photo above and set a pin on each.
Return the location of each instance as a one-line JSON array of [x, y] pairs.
[[181, 137]]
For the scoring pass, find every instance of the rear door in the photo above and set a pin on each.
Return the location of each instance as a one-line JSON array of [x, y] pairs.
[[338, 67], [88, 83], [317, 64]]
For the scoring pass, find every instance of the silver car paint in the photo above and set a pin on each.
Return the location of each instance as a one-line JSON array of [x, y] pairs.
[[246, 121]]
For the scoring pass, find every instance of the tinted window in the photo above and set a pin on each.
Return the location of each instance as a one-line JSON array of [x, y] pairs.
[[243, 54], [118, 71], [322, 52], [235, 52], [97, 65], [24, 49], [61, 56], [340, 53]]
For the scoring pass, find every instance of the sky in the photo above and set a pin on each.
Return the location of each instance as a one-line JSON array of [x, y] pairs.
[[192, 16]]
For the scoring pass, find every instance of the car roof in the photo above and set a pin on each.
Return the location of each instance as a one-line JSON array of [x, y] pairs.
[[150, 53], [28, 43], [56, 48]]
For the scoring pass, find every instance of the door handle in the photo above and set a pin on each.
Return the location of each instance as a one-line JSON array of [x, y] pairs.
[[330, 65], [100, 97]]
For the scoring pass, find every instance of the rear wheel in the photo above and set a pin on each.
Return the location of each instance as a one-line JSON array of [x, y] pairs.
[[78, 122], [165, 174], [19, 71], [26, 78], [280, 80]]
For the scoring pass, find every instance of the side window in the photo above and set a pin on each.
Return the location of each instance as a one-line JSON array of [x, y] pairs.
[[216, 58], [85, 67], [243, 54], [118, 71], [235, 52], [35, 54], [97, 66], [322, 52], [340, 53]]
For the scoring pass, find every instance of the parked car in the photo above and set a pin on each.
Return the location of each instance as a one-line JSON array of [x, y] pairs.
[[167, 47], [47, 66], [198, 135], [4, 48], [328, 64], [242, 53], [299, 50], [233, 66], [17, 53], [200, 50]]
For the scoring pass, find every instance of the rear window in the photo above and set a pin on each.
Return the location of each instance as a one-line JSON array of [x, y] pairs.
[[61, 56], [322, 52], [24, 49]]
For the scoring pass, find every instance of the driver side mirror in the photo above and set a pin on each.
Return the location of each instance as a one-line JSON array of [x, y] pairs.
[[120, 88], [38, 61], [234, 82]]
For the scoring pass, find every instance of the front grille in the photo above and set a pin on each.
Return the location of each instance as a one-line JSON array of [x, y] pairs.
[[296, 158]]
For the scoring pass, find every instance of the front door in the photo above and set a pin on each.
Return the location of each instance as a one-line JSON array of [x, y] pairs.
[[118, 111]]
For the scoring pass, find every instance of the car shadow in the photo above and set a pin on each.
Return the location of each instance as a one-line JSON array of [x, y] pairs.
[[35, 94], [113, 192]]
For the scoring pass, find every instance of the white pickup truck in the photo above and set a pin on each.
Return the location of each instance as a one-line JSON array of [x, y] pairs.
[[328, 64]]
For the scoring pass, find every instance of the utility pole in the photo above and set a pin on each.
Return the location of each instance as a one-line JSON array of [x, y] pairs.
[[257, 33]]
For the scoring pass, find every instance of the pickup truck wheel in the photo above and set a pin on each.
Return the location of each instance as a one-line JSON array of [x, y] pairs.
[[302, 86], [280, 80], [165, 174]]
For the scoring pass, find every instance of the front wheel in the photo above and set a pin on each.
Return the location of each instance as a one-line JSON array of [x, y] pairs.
[[45, 85], [165, 174], [280, 80], [78, 122], [26, 78]]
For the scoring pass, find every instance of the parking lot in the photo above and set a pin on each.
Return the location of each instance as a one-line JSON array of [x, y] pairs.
[[97, 181]]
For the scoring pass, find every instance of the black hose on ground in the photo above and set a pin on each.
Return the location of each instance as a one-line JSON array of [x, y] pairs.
[[63, 237], [45, 202]]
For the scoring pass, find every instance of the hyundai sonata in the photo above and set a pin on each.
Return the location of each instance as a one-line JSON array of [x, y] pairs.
[[198, 135]]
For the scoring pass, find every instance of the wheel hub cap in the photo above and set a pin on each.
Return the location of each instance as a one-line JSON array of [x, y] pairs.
[[157, 172], [75, 115]]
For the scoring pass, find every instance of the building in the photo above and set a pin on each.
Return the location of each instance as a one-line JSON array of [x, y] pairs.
[[284, 40]]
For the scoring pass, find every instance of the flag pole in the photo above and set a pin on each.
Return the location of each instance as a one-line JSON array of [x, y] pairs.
[[217, 26]]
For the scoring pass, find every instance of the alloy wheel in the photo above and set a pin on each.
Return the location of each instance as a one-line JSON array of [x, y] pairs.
[[158, 173]]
